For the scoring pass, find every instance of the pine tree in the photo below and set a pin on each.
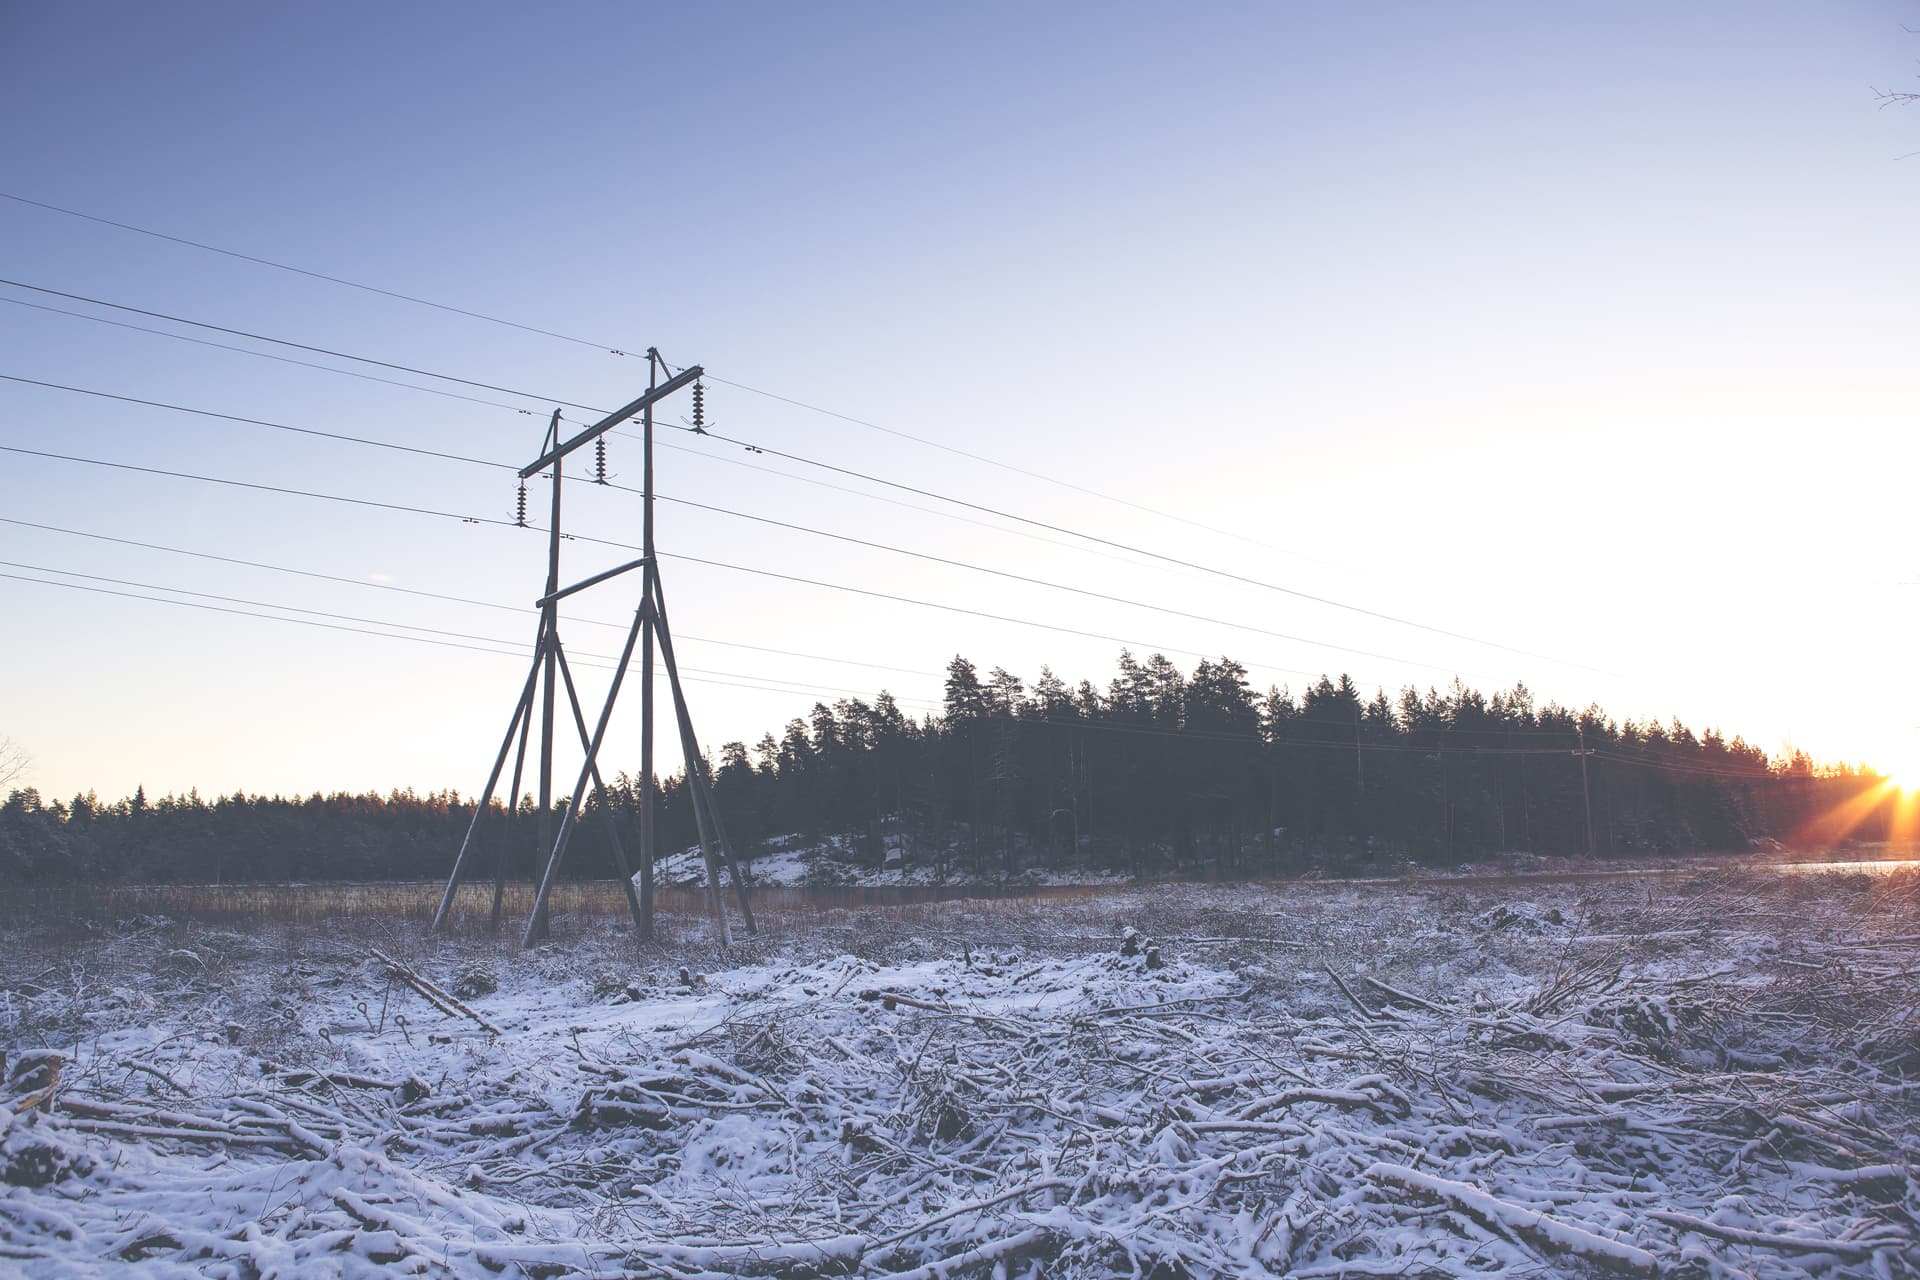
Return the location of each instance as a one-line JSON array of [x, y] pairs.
[[965, 700]]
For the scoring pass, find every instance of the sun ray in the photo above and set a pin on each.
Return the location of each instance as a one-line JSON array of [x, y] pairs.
[[1903, 825], [1843, 819]]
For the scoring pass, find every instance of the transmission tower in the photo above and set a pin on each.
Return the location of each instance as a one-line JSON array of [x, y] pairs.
[[550, 674]]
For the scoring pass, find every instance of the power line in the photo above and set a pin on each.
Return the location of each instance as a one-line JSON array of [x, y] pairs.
[[298, 346], [263, 488], [261, 422], [270, 617], [516, 409], [741, 386], [1248, 739], [265, 355], [766, 520], [435, 595], [613, 350], [316, 275], [1142, 551], [1733, 772], [995, 462], [1697, 768], [361, 440], [628, 546], [894, 484], [453, 639], [1055, 586], [1145, 646], [1094, 726], [264, 604], [893, 502], [1088, 725]]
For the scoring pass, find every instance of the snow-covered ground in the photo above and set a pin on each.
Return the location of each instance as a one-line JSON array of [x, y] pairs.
[[790, 860], [1710, 1076]]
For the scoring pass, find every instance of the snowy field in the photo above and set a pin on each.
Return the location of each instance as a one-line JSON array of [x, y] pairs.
[[1709, 1075]]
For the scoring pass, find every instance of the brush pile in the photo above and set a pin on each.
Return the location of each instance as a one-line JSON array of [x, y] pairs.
[[1723, 1084]]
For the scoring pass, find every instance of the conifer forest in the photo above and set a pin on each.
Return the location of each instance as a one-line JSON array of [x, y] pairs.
[[1160, 773]]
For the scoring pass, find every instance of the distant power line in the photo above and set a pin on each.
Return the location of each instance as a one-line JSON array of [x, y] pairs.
[[435, 595], [316, 275], [612, 349], [1114, 544], [260, 422], [452, 639], [996, 462], [1125, 642], [890, 548], [523, 411], [975, 506], [297, 346], [1094, 726], [258, 487], [266, 355], [711, 508]]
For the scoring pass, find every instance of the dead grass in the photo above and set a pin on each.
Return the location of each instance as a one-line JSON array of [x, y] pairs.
[[417, 900]]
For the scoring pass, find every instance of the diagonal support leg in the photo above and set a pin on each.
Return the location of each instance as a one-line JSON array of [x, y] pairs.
[[513, 807], [702, 817], [642, 925], [698, 782], [537, 925], [520, 708]]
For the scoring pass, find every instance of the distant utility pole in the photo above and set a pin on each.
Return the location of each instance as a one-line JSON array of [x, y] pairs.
[[550, 660], [1586, 796], [1359, 770]]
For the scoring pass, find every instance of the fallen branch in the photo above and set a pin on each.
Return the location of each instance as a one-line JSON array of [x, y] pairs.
[[296, 1078], [1499, 1214], [1347, 991], [1395, 993], [1763, 1239], [977, 1256], [435, 996]]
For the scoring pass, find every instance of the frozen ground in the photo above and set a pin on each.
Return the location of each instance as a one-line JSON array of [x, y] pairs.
[[1705, 1076], [797, 860]]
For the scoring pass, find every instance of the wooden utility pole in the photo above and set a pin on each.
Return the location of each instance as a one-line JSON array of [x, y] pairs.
[[1586, 796], [1360, 772]]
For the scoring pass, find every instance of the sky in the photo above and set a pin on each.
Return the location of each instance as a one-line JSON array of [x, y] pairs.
[[1584, 333]]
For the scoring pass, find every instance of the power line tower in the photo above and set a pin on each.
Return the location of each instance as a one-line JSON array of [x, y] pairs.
[[550, 673]]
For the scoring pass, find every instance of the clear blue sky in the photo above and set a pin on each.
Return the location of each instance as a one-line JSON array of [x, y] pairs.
[[1584, 328]]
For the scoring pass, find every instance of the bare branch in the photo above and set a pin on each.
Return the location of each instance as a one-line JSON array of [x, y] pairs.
[[14, 763]]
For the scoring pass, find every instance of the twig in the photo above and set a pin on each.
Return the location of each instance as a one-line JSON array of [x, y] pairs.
[[435, 996], [1347, 991]]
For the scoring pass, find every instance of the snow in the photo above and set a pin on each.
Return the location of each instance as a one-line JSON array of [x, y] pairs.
[[1716, 1076], [1559, 1236], [793, 860]]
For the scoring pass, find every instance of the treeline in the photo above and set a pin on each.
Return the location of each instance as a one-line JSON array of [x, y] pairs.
[[1169, 771], [1159, 772]]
